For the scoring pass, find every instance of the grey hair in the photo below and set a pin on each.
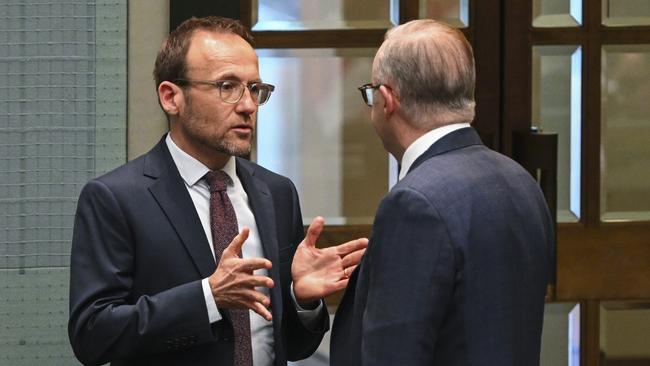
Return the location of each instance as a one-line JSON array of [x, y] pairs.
[[430, 66]]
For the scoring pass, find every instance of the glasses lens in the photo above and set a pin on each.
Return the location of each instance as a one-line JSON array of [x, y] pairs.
[[261, 92], [231, 91], [367, 91], [256, 92], [366, 94], [370, 92]]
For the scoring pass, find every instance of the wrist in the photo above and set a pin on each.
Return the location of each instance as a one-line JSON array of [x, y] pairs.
[[304, 302]]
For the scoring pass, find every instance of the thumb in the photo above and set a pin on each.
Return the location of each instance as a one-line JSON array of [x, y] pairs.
[[313, 232], [234, 248]]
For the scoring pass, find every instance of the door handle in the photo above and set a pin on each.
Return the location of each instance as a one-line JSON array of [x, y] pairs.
[[537, 153]]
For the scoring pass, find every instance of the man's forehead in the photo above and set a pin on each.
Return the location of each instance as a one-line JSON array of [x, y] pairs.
[[212, 43], [208, 47]]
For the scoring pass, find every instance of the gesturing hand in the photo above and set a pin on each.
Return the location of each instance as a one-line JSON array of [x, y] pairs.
[[317, 272], [233, 283]]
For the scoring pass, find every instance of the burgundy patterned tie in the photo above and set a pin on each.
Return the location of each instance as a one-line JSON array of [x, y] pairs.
[[223, 223]]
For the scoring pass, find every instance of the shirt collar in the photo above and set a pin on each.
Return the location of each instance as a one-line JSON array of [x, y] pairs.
[[192, 170], [423, 143]]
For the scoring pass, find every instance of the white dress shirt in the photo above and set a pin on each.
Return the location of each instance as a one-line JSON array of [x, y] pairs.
[[192, 171], [423, 143]]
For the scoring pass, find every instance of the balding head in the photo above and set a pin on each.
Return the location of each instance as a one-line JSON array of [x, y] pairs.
[[430, 66]]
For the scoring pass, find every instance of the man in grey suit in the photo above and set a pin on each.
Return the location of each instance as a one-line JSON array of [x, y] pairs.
[[156, 277], [457, 265]]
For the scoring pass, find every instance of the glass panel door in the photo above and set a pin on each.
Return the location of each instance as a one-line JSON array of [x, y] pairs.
[[556, 108], [625, 133], [316, 130], [280, 15]]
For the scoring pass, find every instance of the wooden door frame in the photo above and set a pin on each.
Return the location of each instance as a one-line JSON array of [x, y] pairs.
[[595, 260]]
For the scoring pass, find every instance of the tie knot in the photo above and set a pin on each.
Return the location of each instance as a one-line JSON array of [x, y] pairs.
[[218, 180]]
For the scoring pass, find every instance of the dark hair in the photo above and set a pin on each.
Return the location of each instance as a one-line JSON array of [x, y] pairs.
[[170, 62]]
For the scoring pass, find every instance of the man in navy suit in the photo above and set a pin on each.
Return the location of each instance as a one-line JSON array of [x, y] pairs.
[[147, 286], [458, 261]]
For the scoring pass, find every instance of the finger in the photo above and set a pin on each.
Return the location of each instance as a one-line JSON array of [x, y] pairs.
[[256, 296], [251, 264], [261, 310], [351, 246], [258, 281], [313, 232], [337, 286], [234, 248], [353, 258], [349, 270]]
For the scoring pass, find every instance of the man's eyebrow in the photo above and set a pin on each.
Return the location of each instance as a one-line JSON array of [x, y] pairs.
[[228, 76], [231, 76]]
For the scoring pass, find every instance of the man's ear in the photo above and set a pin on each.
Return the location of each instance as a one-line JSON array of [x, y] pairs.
[[171, 97], [390, 102]]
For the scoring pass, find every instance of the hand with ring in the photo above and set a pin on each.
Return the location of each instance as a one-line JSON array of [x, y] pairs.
[[319, 272]]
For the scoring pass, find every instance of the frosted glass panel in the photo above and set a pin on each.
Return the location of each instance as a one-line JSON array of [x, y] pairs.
[[625, 133], [561, 335], [453, 12], [557, 13], [62, 122], [62, 119], [624, 329], [626, 12], [34, 317], [317, 14], [556, 107], [316, 130]]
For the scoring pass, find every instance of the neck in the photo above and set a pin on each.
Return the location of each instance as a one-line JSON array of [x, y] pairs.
[[214, 160], [404, 137]]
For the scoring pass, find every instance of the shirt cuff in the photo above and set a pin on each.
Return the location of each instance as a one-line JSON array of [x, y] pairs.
[[213, 313], [308, 318]]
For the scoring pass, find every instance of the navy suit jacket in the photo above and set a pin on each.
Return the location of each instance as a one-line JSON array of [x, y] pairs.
[[456, 269], [139, 253]]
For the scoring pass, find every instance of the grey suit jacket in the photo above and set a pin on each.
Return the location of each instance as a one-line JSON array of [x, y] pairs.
[[139, 253], [456, 269]]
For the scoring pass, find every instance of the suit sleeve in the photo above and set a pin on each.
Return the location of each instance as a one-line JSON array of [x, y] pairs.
[[301, 341], [106, 323], [411, 272]]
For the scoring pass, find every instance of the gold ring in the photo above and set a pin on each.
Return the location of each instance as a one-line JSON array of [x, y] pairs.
[[345, 273]]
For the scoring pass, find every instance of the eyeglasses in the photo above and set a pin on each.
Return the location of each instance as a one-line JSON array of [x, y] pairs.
[[231, 91], [367, 92]]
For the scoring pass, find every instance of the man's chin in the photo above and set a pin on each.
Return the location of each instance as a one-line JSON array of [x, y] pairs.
[[242, 151], [246, 154]]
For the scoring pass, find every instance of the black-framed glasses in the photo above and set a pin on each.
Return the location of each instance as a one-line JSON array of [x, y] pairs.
[[231, 91], [367, 92]]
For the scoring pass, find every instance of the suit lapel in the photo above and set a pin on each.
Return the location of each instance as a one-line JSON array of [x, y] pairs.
[[455, 140], [261, 202], [172, 196]]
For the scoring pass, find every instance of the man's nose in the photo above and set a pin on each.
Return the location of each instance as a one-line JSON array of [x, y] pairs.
[[246, 104]]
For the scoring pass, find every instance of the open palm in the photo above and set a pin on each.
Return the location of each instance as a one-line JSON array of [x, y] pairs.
[[320, 272]]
